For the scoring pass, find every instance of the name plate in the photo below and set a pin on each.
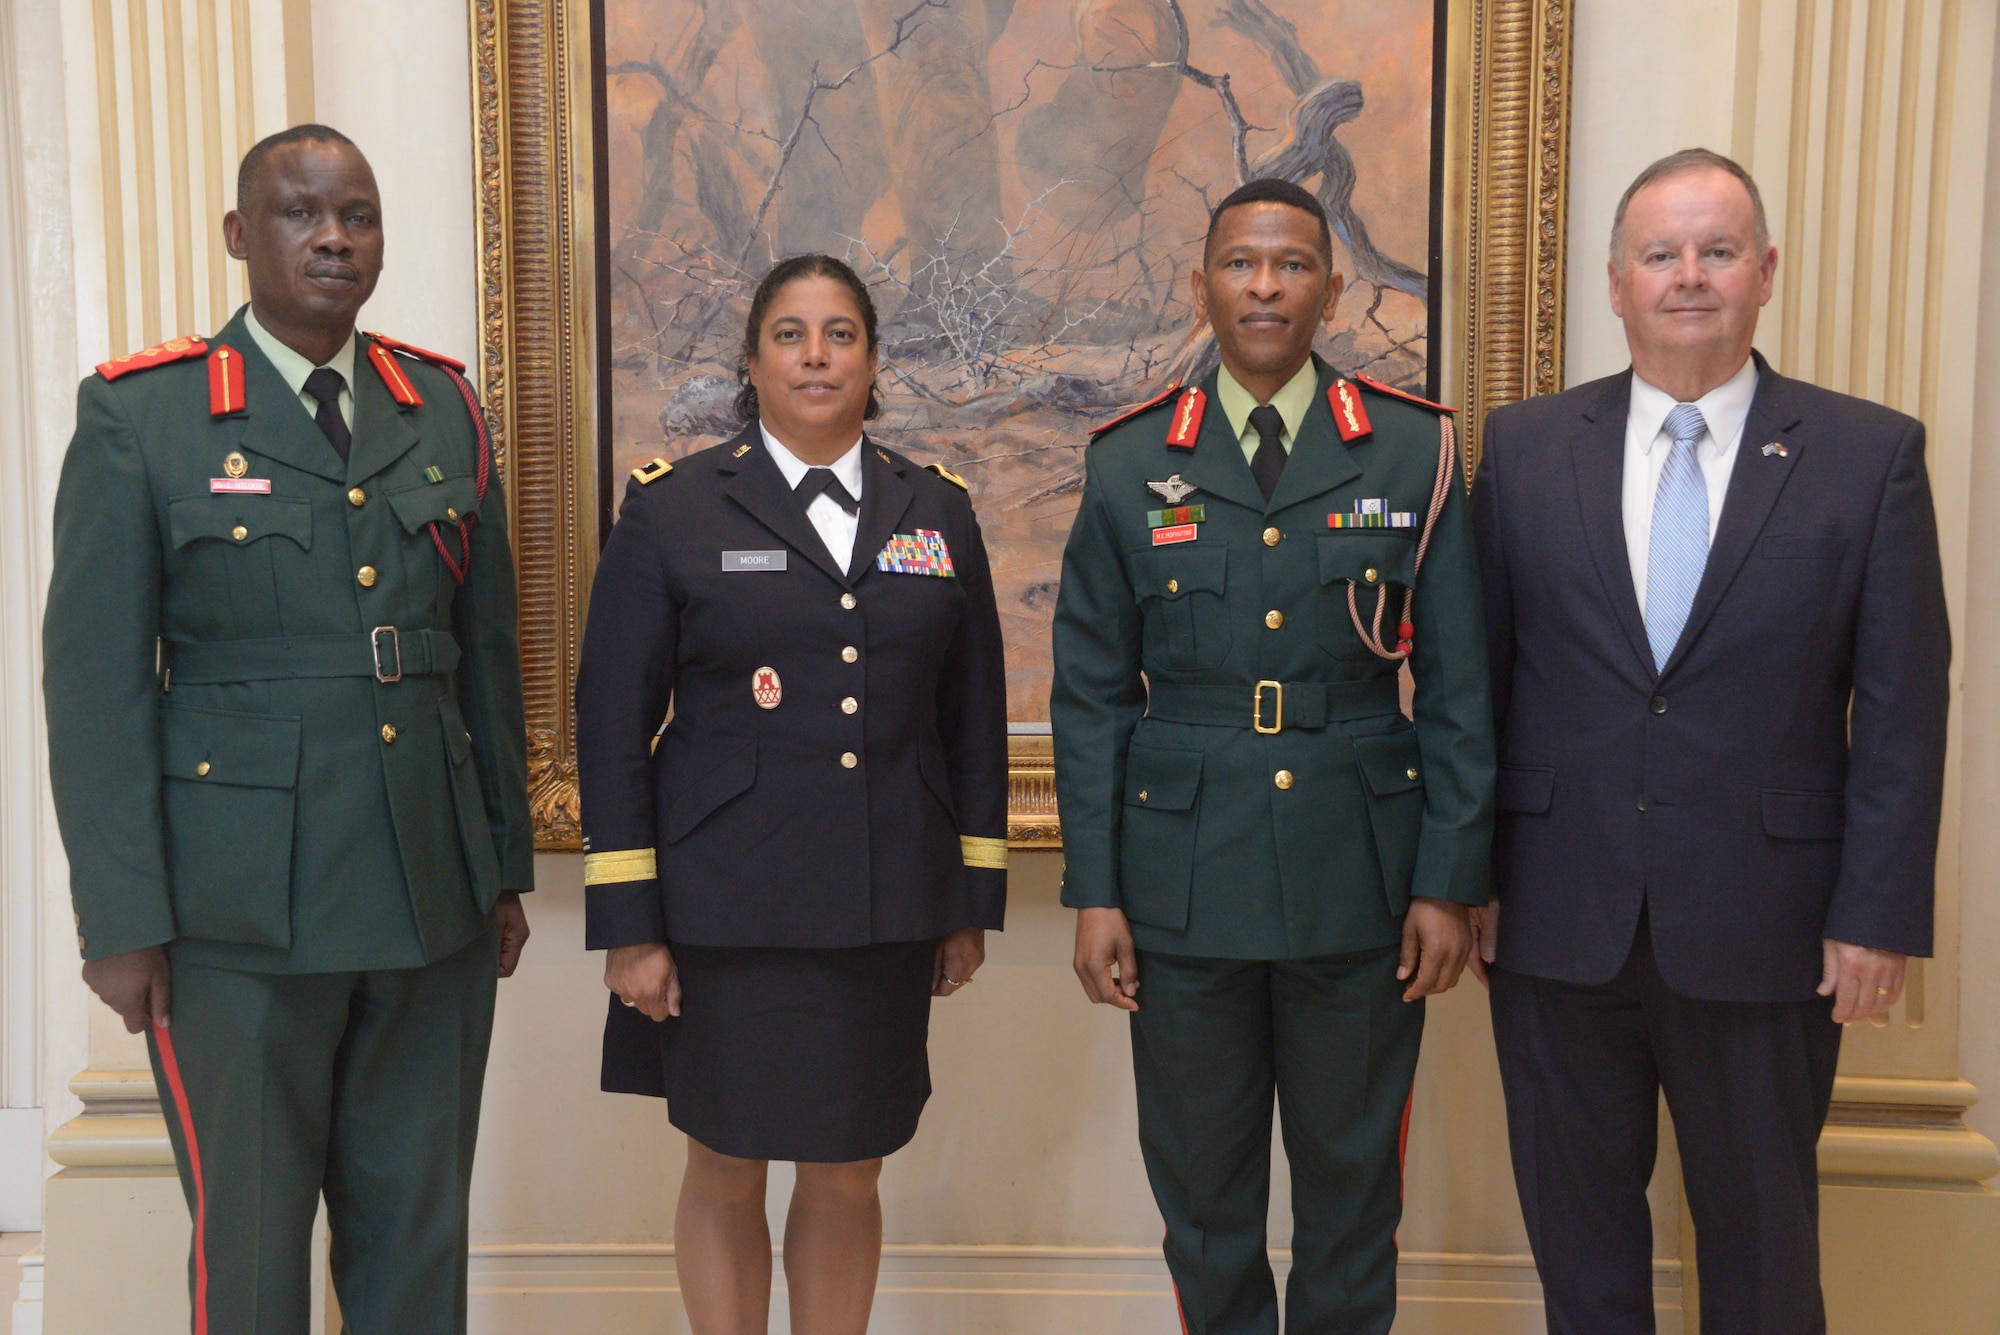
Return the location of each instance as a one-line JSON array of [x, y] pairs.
[[735, 561]]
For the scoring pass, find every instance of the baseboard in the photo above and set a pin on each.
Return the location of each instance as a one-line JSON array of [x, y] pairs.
[[614, 1289], [22, 1165]]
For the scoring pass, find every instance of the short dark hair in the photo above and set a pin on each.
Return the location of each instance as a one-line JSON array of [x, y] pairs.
[[261, 151], [1272, 190], [790, 271], [1680, 164]]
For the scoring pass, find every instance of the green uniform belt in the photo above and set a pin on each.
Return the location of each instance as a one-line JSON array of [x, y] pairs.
[[1272, 706], [384, 653]]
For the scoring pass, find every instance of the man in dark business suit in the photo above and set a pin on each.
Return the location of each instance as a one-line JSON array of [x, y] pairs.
[[1719, 654]]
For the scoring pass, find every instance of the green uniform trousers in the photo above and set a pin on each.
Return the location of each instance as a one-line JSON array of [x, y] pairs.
[[363, 1086], [1211, 1041]]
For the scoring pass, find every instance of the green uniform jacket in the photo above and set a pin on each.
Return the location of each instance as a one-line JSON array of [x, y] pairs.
[[1218, 840], [229, 774]]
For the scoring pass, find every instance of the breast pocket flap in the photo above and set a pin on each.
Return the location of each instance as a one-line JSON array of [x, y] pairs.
[[1161, 780], [1368, 557], [1804, 815], [732, 774], [239, 519], [221, 746], [1390, 763], [1804, 546], [444, 502], [1176, 572], [1525, 788]]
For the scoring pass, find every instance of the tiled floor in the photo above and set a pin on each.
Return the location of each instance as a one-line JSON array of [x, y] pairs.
[[11, 1246]]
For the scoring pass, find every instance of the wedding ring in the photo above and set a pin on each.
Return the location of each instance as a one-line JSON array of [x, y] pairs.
[[953, 981], [633, 1004], [1881, 991]]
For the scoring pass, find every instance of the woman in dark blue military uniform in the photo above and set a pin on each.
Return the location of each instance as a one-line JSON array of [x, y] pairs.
[[815, 843]]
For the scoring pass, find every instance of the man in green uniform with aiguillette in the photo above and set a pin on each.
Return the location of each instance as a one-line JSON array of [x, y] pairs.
[[286, 742], [1271, 864]]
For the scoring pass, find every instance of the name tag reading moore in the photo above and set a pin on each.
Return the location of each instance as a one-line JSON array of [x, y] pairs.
[[732, 561]]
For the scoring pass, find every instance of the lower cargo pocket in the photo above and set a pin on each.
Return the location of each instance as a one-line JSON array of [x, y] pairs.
[[1392, 770], [475, 830], [1156, 842], [229, 798]]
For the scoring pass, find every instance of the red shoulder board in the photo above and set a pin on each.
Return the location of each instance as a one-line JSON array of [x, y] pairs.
[[1404, 395], [421, 354], [400, 388], [1186, 426], [1349, 417], [180, 349], [225, 381], [1131, 413]]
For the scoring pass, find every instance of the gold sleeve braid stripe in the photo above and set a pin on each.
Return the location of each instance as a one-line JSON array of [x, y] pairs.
[[990, 854], [632, 864]]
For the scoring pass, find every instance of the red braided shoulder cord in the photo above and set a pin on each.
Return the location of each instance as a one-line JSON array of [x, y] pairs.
[[462, 567]]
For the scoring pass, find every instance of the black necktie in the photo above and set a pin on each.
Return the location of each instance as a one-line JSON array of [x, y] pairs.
[[325, 385], [1268, 464], [819, 480]]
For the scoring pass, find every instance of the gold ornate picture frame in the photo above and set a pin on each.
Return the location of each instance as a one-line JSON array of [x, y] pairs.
[[542, 310]]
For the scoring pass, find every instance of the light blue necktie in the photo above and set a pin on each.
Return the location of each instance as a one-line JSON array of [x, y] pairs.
[[1679, 546]]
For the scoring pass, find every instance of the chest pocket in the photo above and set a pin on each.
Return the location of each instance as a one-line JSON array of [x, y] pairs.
[[1181, 592], [239, 521], [1371, 560], [447, 503]]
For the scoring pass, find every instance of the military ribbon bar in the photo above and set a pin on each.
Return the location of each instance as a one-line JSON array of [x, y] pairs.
[[1180, 514], [921, 553]]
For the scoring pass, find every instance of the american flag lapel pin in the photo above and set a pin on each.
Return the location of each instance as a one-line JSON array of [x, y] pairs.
[[1775, 448]]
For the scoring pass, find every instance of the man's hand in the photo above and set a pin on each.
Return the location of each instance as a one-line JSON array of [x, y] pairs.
[[136, 984], [510, 920], [958, 958], [1485, 925], [645, 977], [1864, 982], [1437, 939], [1104, 939]]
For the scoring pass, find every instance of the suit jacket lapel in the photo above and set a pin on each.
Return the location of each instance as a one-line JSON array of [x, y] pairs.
[[755, 483], [1597, 454], [885, 497], [1217, 465], [275, 424], [1320, 461], [1755, 482], [384, 431]]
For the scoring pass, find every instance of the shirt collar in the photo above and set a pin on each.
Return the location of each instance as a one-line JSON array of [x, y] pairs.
[[293, 367], [847, 468], [1725, 409], [1292, 401]]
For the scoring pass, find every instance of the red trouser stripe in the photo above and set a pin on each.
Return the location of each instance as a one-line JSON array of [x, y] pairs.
[[1179, 1311], [178, 1089], [1403, 1137]]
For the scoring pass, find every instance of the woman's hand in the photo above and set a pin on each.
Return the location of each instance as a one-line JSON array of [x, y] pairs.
[[958, 958], [645, 977]]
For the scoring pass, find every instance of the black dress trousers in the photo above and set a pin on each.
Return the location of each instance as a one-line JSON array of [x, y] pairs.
[[1748, 1085]]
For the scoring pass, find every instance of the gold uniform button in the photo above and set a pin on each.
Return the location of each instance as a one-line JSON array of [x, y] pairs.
[[1412, 773], [451, 514], [847, 601], [239, 533], [1371, 574], [1142, 794], [1283, 778], [366, 576], [201, 770], [849, 654], [1274, 618], [849, 705], [1173, 586], [389, 733], [80, 945], [848, 760], [1272, 537], [357, 498]]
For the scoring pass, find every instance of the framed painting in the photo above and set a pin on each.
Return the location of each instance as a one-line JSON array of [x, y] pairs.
[[1024, 185]]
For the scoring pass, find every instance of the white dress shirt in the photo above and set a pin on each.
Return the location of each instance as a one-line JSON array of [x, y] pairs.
[[836, 526], [1725, 409], [293, 368]]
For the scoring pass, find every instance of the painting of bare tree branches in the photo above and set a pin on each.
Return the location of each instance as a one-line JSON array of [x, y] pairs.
[[1024, 185]]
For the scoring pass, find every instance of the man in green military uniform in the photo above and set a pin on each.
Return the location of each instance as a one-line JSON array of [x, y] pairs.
[[287, 750], [1252, 828]]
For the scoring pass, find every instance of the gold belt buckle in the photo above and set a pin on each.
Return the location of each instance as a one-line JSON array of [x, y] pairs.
[[1257, 708], [395, 643]]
